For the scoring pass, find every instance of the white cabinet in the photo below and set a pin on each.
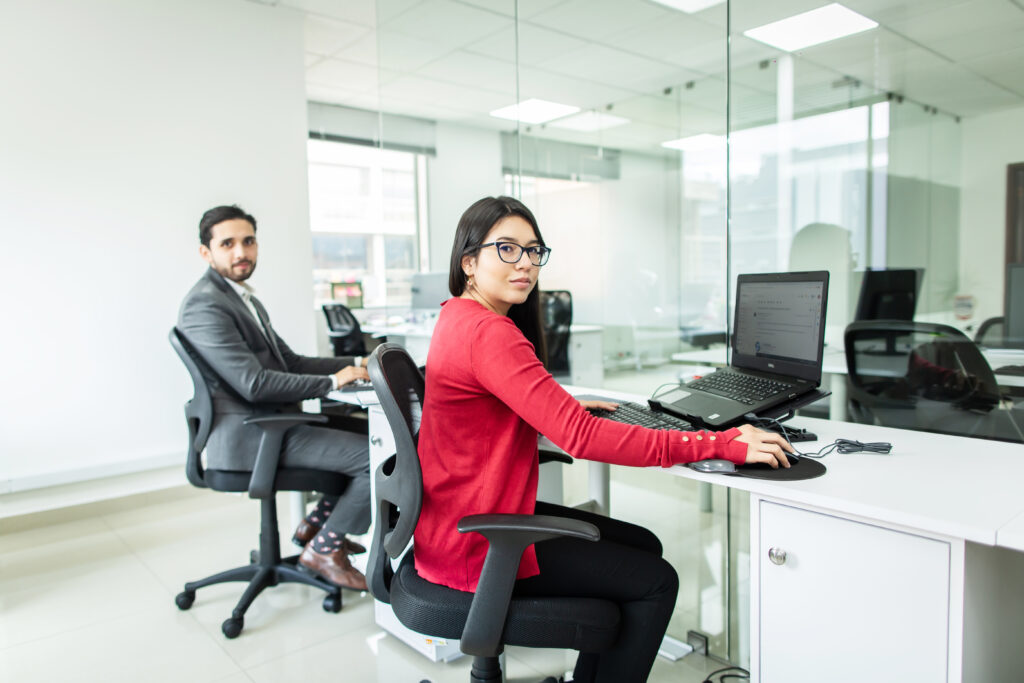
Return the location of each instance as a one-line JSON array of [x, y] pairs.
[[839, 600], [586, 361]]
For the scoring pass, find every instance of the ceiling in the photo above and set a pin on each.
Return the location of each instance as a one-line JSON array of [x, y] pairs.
[[663, 70]]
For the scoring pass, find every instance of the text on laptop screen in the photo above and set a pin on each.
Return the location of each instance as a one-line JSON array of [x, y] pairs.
[[779, 320]]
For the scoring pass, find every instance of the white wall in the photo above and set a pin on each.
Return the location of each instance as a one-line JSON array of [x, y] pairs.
[[122, 121], [467, 168], [990, 143]]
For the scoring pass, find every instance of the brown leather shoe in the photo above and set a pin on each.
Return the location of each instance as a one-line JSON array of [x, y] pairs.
[[334, 567], [305, 532]]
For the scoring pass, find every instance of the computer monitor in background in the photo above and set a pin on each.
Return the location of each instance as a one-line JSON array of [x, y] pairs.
[[1013, 302], [889, 294], [428, 291]]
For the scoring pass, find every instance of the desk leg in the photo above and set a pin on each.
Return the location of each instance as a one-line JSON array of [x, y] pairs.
[[600, 477], [837, 401]]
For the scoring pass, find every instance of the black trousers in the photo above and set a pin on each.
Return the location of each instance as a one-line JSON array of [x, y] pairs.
[[626, 567]]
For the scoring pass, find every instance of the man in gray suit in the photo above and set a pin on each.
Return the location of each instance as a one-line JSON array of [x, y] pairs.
[[256, 371]]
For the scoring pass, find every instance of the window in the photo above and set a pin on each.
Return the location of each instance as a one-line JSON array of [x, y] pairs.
[[365, 213]]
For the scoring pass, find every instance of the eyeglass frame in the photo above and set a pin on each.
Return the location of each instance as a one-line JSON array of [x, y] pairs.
[[545, 252]]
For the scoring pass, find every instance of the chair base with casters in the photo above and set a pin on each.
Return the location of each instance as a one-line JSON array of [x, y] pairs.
[[266, 567], [490, 618]]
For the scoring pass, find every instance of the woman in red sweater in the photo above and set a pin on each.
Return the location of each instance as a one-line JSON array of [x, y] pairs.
[[487, 397]]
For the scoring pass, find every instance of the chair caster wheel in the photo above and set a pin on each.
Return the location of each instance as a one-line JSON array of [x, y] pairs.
[[232, 627], [332, 603], [184, 599]]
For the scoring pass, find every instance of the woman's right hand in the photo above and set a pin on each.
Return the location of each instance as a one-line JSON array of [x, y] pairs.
[[765, 447], [350, 374]]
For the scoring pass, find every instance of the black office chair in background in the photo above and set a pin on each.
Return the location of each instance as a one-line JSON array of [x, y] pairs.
[[556, 315], [991, 332], [923, 376], [343, 330], [489, 619], [266, 567]]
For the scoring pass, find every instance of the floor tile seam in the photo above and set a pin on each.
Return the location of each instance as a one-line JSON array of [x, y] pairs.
[[138, 558], [77, 629]]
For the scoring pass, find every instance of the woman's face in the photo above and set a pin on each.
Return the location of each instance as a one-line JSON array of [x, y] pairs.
[[494, 283]]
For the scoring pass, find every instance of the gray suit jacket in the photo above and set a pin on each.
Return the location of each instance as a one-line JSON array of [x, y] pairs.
[[253, 373]]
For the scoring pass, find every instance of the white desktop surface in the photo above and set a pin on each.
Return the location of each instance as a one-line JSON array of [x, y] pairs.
[[1011, 535]]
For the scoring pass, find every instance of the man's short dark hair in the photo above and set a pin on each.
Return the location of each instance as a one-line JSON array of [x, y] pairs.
[[219, 214]]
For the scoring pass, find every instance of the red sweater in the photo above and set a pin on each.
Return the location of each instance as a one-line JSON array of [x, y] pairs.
[[487, 397]]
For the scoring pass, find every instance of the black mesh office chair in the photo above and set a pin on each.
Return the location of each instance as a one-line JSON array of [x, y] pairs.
[[489, 619], [343, 330], [991, 332], [266, 567], [556, 315], [922, 376]]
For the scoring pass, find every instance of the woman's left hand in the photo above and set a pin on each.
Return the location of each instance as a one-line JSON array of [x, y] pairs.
[[598, 405]]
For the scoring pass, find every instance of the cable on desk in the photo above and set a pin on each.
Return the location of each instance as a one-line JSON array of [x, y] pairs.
[[837, 446], [736, 672]]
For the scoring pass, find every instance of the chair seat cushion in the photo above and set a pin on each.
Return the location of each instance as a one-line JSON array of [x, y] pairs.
[[583, 624], [286, 479]]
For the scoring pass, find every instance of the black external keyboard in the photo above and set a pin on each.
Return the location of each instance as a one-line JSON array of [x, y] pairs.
[[748, 389], [636, 414]]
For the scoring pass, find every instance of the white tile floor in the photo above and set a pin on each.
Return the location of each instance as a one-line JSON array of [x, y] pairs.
[[87, 594]]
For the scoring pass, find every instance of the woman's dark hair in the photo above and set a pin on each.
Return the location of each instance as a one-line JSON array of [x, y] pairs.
[[219, 214], [474, 225]]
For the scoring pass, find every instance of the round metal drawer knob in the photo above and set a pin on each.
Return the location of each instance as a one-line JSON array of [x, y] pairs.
[[777, 555]]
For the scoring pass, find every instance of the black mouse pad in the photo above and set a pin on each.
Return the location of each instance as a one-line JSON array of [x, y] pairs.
[[804, 468]]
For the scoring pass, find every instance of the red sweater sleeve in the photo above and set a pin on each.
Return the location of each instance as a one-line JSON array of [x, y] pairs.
[[506, 364]]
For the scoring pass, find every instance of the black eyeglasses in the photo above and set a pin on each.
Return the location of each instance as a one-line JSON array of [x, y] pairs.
[[510, 252]]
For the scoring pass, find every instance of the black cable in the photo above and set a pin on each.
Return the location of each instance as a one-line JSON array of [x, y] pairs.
[[837, 446], [744, 675]]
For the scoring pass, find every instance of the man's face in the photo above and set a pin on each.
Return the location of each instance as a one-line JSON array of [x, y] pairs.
[[232, 250]]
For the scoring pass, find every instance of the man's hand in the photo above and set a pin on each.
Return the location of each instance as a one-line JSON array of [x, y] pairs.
[[766, 447], [351, 374]]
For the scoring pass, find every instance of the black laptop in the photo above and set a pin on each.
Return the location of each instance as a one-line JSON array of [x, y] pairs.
[[777, 345]]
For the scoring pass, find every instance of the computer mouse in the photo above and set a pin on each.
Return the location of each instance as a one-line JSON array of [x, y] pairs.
[[713, 465]]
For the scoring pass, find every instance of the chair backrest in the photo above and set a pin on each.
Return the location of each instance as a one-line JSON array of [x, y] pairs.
[[556, 316], [344, 331], [991, 332], [398, 481], [198, 410], [895, 364]]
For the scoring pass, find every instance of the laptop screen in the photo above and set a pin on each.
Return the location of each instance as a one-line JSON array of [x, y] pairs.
[[780, 323]]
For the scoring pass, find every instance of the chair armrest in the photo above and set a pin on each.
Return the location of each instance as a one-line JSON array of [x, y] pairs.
[[554, 456], [508, 536], [261, 483]]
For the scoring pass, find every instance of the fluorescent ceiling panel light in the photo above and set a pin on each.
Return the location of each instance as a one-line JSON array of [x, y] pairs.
[[689, 6], [695, 143], [534, 111], [590, 121], [811, 28]]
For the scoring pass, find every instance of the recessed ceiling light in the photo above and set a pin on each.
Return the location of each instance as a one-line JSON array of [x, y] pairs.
[[811, 28], [590, 121], [695, 143], [534, 111], [689, 6]]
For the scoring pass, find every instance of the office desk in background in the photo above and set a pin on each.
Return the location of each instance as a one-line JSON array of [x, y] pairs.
[[586, 356], [834, 371]]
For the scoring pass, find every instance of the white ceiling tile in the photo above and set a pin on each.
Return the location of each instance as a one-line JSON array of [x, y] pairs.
[[327, 36], [363, 12], [537, 45], [448, 95], [393, 51], [680, 40], [1003, 69], [620, 69], [342, 74], [474, 70], [448, 23], [545, 85], [600, 20], [527, 8], [345, 96]]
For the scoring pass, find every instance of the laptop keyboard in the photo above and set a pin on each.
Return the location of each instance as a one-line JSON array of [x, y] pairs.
[[636, 414], [747, 389]]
